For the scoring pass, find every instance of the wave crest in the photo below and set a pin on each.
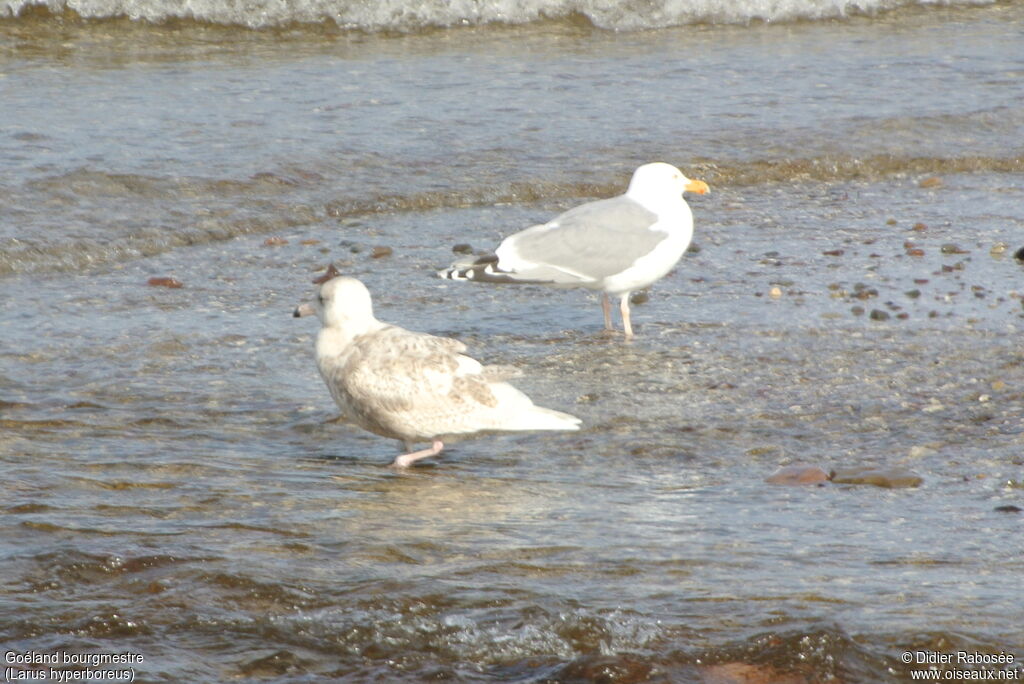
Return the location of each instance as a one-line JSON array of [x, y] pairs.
[[404, 16]]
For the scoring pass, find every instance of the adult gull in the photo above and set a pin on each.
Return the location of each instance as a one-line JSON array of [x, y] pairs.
[[616, 245], [412, 386]]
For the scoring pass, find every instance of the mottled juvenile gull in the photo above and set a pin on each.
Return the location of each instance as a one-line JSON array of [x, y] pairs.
[[412, 386], [616, 245]]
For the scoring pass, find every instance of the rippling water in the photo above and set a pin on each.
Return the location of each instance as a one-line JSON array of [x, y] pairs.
[[175, 489]]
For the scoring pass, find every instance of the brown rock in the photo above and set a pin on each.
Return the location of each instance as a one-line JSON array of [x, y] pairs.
[[380, 252], [749, 673], [933, 182], [274, 242], [797, 475], [164, 281]]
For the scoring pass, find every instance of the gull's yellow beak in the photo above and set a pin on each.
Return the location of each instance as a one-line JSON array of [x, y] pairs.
[[697, 186]]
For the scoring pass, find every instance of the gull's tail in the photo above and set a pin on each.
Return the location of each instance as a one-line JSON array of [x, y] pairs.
[[516, 411], [538, 418], [486, 269]]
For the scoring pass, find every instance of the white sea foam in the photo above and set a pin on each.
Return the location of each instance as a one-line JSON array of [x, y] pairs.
[[404, 15]]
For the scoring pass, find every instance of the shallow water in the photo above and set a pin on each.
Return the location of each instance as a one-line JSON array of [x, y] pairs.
[[174, 487]]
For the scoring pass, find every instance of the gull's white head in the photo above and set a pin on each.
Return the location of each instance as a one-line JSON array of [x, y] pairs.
[[341, 302], [655, 183], [345, 303]]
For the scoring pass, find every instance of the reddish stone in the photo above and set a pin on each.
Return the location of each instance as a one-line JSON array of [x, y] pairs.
[[164, 282], [797, 475]]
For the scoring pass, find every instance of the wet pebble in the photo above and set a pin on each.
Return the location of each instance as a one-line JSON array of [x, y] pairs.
[[932, 182], [1008, 508], [913, 294], [833, 252], [380, 252], [878, 315], [862, 291], [164, 281], [952, 248], [919, 227], [639, 297], [274, 242], [797, 475], [890, 478]]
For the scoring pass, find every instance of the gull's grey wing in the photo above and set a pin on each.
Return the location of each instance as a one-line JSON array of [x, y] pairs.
[[587, 243]]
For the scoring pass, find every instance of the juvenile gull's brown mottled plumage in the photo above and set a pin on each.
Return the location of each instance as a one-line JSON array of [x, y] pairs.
[[412, 386]]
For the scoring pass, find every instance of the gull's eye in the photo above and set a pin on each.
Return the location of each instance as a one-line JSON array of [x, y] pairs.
[[320, 299]]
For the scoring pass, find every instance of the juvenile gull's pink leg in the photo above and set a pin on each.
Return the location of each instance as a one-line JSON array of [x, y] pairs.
[[606, 306], [406, 460]]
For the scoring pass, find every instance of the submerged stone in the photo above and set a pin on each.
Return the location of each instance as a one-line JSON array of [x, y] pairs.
[[890, 478]]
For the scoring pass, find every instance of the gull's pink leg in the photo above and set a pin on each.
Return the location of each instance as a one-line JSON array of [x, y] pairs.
[[624, 308], [406, 460], [606, 306]]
